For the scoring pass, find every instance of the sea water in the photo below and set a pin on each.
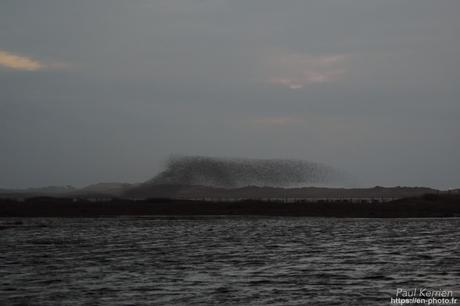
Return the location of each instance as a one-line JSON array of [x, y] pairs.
[[236, 260]]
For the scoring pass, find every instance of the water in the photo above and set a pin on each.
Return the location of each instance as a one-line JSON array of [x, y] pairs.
[[224, 260]]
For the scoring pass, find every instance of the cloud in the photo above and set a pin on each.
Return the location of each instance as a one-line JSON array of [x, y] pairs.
[[295, 71], [18, 62]]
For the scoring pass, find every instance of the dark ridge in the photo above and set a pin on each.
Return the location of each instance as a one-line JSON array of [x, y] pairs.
[[143, 191], [149, 190]]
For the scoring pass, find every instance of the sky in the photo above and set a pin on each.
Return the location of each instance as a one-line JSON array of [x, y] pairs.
[[106, 90]]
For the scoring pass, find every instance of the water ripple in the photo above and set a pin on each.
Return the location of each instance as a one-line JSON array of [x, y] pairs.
[[224, 260]]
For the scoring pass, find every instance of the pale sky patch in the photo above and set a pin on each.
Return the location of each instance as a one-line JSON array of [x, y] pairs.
[[19, 62], [295, 71]]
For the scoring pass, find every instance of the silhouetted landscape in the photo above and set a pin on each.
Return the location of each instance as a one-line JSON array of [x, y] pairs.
[[231, 187], [429, 205], [147, 190]]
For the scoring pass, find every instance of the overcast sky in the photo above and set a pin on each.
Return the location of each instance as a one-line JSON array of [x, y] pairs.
[[105, 90]]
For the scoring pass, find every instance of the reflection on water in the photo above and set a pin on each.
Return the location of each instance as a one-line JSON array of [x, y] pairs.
[[225, 260]]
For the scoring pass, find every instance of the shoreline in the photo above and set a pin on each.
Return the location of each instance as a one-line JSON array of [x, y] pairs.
[[427, 206]]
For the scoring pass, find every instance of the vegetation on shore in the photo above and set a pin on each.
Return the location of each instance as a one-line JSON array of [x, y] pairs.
[[429, 205]]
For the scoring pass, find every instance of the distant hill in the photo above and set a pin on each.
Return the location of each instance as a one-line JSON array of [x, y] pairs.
[[150, 190], [228, 179], [40, 191], [95, 190], [103, 189], [146, 190]]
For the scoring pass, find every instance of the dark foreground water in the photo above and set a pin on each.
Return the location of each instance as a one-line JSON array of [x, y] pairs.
[[224, 260]]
